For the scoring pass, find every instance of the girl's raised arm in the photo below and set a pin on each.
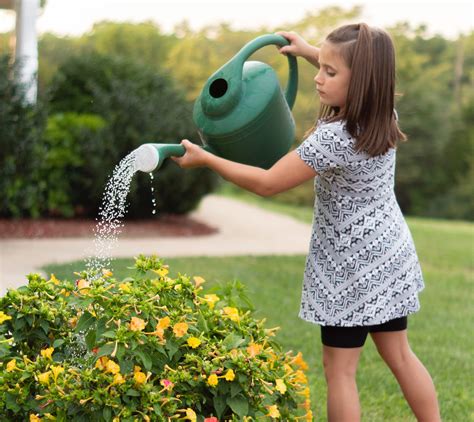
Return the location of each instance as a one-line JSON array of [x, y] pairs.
[[288, 172]]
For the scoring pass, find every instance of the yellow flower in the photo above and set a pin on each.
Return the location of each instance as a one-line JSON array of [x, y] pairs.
[[190, 415], [34, 418], [125, 287], [64, 292], [4, 317], [198, 280], [46, 353], [211, 300], [301, 377], [118, 379], [180, 329], [112, 367], [162, 272], [193, 342], [101, 362], [254, 349], [178, 287], [309, 416], [213, 380], [164, 322], [229, 376], [54, 279], [44, 377], [159, 332], [116, 419], [273, 411], [137, 324], [83, 285], [56, 371], [11, 366], [107, 273], [280, 386], [72, 322], [298, 360], [305, 393], [231, 313], [139, 377]]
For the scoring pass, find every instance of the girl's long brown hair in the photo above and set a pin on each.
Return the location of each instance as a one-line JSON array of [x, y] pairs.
[[369, 111]]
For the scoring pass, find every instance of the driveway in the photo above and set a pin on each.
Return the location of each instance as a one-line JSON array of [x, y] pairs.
[[244, 229]]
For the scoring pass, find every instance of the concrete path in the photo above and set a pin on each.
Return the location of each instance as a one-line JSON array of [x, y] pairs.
[[244, 229]]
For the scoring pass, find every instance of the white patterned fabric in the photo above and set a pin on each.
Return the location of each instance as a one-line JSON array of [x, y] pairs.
[[362, 267]]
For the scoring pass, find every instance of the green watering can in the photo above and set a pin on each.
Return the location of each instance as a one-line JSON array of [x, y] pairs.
[[241, 113]]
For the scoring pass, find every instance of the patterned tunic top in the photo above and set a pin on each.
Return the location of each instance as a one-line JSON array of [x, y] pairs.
[[362, 267]]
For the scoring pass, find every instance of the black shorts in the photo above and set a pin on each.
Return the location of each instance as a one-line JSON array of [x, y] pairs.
[[349, 337]]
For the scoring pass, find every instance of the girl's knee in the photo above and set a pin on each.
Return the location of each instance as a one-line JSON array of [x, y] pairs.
[[395, 352], [341, 363]]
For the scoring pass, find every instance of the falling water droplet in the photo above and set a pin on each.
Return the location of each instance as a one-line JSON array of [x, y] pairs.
[[153, 199]]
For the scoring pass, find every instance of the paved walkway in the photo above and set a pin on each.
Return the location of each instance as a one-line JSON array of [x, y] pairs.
[[244, 229]]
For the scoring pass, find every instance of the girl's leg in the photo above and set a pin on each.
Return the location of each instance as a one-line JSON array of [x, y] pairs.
[[340, 367], [414, 379]]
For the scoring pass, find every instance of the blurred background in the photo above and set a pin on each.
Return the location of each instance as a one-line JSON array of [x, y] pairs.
[[115, 74]]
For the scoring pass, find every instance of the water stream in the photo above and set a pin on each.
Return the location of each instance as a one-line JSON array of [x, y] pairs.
[[111, 213]]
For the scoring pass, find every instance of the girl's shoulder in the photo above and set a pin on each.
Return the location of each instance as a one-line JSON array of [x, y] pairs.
[[334, 130]]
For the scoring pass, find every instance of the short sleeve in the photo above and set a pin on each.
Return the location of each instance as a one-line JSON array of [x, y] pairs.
[[323, 150]]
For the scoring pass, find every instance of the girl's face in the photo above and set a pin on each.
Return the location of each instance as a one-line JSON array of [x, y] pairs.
[[332, 80]]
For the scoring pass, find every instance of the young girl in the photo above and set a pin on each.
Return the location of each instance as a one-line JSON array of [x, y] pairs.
[[362, 272]]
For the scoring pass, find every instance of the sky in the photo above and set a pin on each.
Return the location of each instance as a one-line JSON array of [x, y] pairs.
[[74, 17]]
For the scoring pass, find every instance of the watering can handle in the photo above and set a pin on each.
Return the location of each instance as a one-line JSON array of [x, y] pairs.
[[269, 39]]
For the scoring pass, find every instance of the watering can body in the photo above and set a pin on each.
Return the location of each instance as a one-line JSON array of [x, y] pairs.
[[242, 113]]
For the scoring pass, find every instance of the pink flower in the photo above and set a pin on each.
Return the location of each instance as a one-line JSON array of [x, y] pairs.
[[166, 383], [211, 419]]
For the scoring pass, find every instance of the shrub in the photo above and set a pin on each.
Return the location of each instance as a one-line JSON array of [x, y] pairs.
[[73, 153], [148, 347], [21, 127], [139, 105]]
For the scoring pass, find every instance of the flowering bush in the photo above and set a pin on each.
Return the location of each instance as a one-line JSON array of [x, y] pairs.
[[148, 347]]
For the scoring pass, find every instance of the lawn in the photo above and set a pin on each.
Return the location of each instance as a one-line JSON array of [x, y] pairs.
[[440, 334]]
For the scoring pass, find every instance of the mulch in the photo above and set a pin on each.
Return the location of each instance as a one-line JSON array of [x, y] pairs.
[[164, 226]]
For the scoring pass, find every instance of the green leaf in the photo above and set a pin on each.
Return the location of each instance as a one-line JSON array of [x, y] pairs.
[[220, 405], [232, 341], [202, 324], [239, 404], [235, 389], [109, 334], [58, 342], [106, 349], [85, 321], [10, 401], [44, 325], [107, 413], [172, 348], [90, 339], [133, 393], [145, 358]]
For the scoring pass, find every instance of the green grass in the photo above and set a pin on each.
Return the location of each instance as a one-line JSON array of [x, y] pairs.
[[440, 334]]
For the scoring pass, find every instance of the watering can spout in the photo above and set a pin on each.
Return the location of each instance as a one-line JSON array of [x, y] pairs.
[[149, 157]]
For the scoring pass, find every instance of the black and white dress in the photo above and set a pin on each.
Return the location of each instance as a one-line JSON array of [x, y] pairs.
[[362, 267]]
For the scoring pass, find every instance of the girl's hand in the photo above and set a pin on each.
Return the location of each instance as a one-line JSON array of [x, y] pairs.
[[299, 47], [194, 156]]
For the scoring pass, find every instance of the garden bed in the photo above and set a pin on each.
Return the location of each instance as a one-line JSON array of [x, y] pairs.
[[166, 225]]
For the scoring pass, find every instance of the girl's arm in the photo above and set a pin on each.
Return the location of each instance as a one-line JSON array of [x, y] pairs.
[[299, 47], [288, 172]]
